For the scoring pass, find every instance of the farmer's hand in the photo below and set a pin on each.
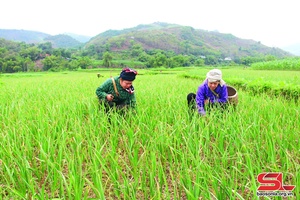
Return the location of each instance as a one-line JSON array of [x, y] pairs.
[[109, 97], [206, 101]]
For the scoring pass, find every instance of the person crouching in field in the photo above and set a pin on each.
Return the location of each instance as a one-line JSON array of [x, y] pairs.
[[211, 93], [117, 93]]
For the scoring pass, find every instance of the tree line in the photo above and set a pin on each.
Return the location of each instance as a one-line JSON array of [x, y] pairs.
[[22, 57]]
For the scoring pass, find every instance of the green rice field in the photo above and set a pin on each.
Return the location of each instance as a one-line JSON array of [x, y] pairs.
[[56, 143]]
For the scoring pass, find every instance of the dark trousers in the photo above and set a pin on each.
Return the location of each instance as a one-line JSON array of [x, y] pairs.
[[191, 100]]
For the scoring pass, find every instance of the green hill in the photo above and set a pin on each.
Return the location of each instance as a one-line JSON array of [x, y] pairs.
[[63, 41], [57, 41], [168, 37], [23, 35], [183, 40]]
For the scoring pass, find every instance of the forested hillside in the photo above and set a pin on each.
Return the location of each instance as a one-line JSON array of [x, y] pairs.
[[63, 41], [182, 40], [144, 46], [29, 37]]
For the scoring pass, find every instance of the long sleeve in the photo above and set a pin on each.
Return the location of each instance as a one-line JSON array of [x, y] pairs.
[[223, 95], [124, 96], [204, 93], [104, 89], [200, 98]]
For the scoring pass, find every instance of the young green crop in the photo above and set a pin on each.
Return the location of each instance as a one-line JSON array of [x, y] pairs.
[[284, 64], [57, 143]]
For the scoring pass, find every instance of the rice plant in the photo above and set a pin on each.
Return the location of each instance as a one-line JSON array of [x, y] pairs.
[[57, 143]]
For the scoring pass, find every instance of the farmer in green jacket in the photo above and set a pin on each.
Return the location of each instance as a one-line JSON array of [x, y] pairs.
[[118, 92]]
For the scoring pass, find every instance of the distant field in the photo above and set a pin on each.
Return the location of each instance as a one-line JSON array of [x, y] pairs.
[[248, 74], [56, 143]]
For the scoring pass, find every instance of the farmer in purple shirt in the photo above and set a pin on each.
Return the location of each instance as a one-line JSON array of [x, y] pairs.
[[211, 93]]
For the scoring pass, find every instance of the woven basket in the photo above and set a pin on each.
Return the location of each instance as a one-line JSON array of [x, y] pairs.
[[232, 95]]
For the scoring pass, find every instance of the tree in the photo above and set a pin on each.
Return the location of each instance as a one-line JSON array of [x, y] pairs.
[[199, 62], [31, 52], [211, 60], [50, 62], [144, 57], [73, 65], [136, 50], [46, 47], [160, 60], [107, 59], [182, 60], [84, 62]]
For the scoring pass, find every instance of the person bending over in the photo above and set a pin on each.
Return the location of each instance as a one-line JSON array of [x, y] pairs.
[[211, 93], [118, 92]]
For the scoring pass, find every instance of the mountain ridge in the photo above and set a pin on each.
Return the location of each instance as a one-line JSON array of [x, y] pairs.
[[182, 40], [66, 40], [158, 35]]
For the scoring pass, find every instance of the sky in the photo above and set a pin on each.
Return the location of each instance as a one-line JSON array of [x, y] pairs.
[[274, 23]]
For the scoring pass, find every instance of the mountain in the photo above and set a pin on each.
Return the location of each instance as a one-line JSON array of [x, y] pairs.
[[23, 35], [158, 35], [183, 40], [63, 41], [58, 41], [80, 38]]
